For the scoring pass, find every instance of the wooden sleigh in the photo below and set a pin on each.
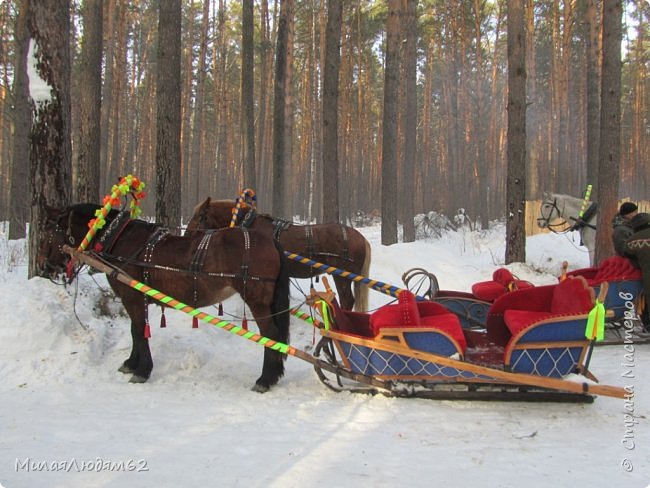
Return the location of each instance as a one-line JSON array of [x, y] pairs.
[[533, 348]]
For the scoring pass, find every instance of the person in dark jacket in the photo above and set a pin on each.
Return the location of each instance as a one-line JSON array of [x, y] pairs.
[[638, 246], [622, 227]]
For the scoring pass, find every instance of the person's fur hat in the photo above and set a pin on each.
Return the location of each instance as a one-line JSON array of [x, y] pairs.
[[627, 208]]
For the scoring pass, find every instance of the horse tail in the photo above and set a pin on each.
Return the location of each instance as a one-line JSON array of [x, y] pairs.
[[360, 289], [280, 306]]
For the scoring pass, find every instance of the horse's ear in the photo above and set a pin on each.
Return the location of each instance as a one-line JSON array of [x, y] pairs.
[[51, 212], [202, 206]]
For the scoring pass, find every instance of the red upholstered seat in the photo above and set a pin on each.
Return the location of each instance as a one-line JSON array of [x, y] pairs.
[[408, 312], [502, 282], [616, 268], [518, 320], [569, 297], [572, 296]]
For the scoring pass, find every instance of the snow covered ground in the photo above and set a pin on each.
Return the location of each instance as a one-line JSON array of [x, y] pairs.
[[69, 419]]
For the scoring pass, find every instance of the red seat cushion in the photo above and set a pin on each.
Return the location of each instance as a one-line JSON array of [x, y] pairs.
[[448, 323], [503, 276], [616, 268], [488, 291], [572, 296], [502, 281], [408, 312], [404, 313], [518, 320]]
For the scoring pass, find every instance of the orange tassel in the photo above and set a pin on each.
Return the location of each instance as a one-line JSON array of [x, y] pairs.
[[147, 331], [220, 309], [244, 324], [195, 323]]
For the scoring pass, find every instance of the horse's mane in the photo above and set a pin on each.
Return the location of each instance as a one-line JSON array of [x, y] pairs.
[[569, 199], [87, 211], [563, 196], [84, 209], [229, 204]]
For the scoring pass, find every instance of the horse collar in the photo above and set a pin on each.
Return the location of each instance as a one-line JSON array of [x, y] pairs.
[[279, 226], [112, 233], [249, 218]]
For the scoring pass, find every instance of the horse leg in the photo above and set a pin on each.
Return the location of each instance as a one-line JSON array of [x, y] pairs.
[[588, 237], [273, 366], [128, 366], [139, 363], [361, 289], [344, 290], [273, 323]]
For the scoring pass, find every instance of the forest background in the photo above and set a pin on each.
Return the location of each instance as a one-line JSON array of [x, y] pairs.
[[460, 150]]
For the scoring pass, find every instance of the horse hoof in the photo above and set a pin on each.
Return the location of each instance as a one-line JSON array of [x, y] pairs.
[[260, 388], [126, 369], [137, 379]]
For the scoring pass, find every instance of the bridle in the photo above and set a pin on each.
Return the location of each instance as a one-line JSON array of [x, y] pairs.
[[55, 229], [544, 221]]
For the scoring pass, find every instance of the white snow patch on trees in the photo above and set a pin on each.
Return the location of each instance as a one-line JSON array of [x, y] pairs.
[[39, 90]]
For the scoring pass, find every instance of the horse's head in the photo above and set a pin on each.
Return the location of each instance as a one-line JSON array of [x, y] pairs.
[[199, 215], [51, 261], [61, 227], [549, 211], [214, 214]]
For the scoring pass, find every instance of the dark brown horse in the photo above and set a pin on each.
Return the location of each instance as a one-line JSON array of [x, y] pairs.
[[334, 244], [200, 269]]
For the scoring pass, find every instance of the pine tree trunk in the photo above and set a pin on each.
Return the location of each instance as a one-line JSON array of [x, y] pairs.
[[593, 91], [168, 132], [19, 190], [280, 96], [189, 196], [516, 179], [610, 127], [196, 158], [331, 169], [247, 95], [51, 152], [407, 192], [87, 167], [389, 138]]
